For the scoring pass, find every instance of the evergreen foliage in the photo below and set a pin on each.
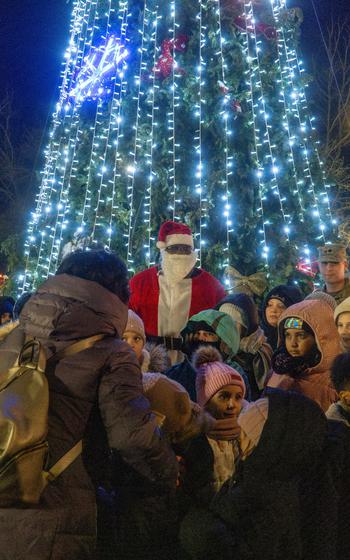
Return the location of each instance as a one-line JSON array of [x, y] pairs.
[[102, 151]]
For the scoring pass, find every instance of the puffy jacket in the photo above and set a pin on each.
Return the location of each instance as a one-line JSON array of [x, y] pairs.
[[315, 382], [106, 379]]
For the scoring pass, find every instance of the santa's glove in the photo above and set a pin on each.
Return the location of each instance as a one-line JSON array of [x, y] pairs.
[[225, 429]]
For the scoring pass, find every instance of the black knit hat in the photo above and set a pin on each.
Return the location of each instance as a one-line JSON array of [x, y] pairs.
[[288, 295]]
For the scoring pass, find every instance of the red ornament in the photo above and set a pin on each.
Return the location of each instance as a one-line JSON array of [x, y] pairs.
[[247, 24], [307, 268], [236, 106], [165, 64], [224, 89], [267, 30]]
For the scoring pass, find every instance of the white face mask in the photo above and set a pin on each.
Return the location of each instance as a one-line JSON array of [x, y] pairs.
[[177, 267]]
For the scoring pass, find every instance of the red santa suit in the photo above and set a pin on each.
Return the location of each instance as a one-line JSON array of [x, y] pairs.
[[166, 298], [165, 308]]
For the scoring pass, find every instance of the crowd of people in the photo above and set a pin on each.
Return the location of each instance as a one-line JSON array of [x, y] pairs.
[[212, 427]]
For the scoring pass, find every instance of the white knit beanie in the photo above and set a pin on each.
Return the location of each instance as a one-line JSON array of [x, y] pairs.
[[235, 312], [135, 325], [343, 307]]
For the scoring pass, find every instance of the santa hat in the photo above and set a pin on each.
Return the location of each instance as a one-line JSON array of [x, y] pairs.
[[213, 374], [174, 233]]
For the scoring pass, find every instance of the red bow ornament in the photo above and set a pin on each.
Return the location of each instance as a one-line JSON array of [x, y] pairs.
[[165, 64]]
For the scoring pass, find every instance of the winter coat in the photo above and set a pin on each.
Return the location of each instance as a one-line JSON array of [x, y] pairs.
[[106, 378], [339, 455], [8, 348], [288, 295], [207, 464], [315, 382], [281, 504]]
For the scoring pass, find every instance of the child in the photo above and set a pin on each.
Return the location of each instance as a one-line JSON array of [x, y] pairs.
[[209, 461], [308, 344], [342, 321], [146, 518], [179, 417]]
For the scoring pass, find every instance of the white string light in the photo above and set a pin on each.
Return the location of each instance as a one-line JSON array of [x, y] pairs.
[[151, 174], [250, 72]]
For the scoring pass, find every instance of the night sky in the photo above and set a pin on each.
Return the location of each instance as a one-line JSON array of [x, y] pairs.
[[34, 34]]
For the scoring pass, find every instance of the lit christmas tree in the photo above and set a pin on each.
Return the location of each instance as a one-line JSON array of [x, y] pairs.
[[192, 110]]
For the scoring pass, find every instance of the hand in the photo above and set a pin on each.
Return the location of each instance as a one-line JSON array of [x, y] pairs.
[[226, 429]]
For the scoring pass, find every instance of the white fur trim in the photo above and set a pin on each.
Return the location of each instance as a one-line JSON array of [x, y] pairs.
[[146, 359], [149, 379], [173, 306], [176, 239]]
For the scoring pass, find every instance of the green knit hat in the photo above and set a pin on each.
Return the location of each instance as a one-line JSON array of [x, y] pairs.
[[219, 323]]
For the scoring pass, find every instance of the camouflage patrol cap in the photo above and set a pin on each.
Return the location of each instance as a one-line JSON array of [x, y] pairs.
[[334, 252]]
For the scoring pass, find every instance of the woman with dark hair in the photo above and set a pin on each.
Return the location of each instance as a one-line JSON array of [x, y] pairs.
[[254, 354], [277, 300], [95, 395], [103, 267]]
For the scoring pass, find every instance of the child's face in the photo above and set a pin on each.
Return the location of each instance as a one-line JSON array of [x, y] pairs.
[[343, 325], [226, 402], [298, 342], [135, 341], [273, 311]]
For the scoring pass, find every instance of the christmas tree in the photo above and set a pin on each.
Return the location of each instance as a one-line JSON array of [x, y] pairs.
[[192, 110]]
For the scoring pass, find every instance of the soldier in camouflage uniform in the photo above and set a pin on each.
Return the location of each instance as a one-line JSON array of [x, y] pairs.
[[333, 265]]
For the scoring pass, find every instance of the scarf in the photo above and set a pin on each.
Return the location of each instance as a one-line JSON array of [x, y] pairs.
[[285, 364]]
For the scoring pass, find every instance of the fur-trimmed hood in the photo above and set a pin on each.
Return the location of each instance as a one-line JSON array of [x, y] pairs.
[[155, 359]]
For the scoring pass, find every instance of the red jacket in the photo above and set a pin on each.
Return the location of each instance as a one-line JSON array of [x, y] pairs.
[[206, 294]]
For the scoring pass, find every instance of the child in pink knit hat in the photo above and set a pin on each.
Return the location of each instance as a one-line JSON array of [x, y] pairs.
[[210, 461]]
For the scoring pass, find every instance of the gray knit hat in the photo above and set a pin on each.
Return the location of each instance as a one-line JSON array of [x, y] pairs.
[[323, 296]]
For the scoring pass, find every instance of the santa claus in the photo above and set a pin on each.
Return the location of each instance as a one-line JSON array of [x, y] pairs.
[[166, 296]]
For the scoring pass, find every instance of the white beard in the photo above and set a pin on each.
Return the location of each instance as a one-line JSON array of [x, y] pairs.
[[176, 267]]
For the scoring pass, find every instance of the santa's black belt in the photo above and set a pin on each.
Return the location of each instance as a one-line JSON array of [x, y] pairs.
[[170, 342]]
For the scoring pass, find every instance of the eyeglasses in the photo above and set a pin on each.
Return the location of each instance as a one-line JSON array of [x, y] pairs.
[[179, 249]]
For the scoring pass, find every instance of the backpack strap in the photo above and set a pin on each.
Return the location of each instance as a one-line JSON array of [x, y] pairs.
[[75, 348], [68, 458], [63, 463]]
